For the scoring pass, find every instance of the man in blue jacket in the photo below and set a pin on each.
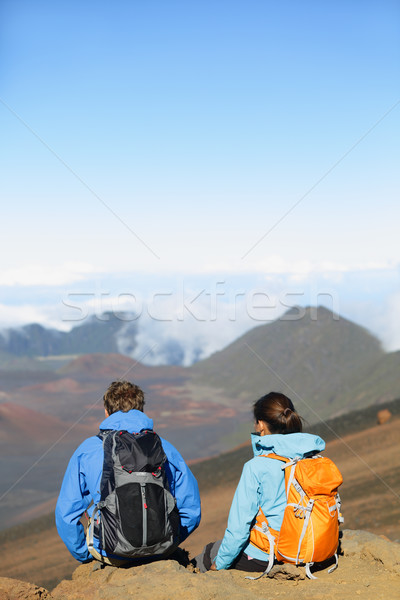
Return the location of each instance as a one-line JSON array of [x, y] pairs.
[[123, 404]]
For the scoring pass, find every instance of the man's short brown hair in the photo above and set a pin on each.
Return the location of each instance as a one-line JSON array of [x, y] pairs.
[[123, 396]]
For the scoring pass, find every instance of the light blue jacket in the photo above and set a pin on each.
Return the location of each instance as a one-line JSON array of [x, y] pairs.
[[81, 484], [262, 484]]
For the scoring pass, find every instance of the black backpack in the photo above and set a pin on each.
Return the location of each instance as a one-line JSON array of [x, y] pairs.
[[138, 514]]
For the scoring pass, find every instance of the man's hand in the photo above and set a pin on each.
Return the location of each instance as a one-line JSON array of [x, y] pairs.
[[213, 567]]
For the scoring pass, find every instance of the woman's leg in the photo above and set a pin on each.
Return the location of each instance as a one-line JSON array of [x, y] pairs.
[[205, 559], [252, 565]]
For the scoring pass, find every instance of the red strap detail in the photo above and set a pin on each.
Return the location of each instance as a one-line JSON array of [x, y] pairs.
[[145, 505]]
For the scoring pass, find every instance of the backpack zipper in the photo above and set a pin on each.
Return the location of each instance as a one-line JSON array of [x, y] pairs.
[[144, 508]]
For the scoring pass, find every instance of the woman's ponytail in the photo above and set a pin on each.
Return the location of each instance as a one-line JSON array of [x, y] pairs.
[[278, 412]]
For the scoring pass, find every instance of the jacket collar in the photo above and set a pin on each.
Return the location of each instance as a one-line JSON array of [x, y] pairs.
[[289, 445], [132, 421]]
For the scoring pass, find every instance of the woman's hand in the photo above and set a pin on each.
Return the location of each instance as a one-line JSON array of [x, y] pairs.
[[213, 567]]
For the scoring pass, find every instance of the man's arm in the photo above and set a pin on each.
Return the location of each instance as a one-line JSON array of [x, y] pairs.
[[72, 503], [185, 489]]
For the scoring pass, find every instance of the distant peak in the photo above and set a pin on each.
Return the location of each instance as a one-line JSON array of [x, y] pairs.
[[313, 312]]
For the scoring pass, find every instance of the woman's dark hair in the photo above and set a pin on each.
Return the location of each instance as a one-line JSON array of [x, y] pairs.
[[278, 412]]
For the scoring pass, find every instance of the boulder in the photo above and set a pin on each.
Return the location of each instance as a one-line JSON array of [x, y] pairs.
[[383, 416], [368, 546], [13, 589]]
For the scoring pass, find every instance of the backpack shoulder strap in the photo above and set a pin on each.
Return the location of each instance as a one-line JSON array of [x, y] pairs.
[[276, 457], [107, 482], [104, 433], [289, 469]]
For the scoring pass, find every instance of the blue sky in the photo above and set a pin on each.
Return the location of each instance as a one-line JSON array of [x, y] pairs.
[[153, 146]]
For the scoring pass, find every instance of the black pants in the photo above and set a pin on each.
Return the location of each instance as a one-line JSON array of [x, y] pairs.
[[242, 562]]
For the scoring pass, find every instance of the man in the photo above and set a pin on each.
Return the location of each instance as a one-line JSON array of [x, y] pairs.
[[123, 404]]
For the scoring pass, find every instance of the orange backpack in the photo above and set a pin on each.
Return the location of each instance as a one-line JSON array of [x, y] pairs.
[[310, 527]]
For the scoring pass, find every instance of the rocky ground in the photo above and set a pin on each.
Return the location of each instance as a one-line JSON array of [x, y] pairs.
[[369, 568]]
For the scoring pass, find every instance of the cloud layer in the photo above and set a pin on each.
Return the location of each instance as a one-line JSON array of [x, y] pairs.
[[184, 319]]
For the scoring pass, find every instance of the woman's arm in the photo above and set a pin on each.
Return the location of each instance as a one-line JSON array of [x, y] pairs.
[[244, 508]]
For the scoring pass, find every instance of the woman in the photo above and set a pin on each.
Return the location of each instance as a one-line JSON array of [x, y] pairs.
[[278, 429]]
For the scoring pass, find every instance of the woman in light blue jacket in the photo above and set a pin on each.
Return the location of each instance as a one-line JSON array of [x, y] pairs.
[[278, 429]]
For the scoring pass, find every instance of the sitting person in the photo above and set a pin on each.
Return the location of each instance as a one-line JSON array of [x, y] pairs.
[[278, 430], [123, 403]]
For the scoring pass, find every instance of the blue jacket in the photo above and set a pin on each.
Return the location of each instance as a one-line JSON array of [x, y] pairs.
[[262, 484], [81, 484]]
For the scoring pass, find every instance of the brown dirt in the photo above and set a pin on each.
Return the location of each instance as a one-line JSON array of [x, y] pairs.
[[369, 568], [370, 465], [11, 589], [40, 558]]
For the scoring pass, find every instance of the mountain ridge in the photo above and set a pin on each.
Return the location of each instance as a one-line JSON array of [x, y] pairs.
[[301, 357], [93, 335]]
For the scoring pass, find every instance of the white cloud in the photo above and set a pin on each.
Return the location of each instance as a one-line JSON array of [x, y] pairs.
[[198, 315], [298, 269], [278, 265], [389, 323], [192, 322], [13, 316], [34, 274]]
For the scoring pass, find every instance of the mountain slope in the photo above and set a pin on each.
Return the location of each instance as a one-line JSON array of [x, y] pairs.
[[378, 383], [23, 430], [315, 360]]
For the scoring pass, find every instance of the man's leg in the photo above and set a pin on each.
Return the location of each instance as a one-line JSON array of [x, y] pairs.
[[115, 562]]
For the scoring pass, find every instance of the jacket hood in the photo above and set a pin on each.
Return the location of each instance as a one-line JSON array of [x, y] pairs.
[[289, 445], [132, 421]]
